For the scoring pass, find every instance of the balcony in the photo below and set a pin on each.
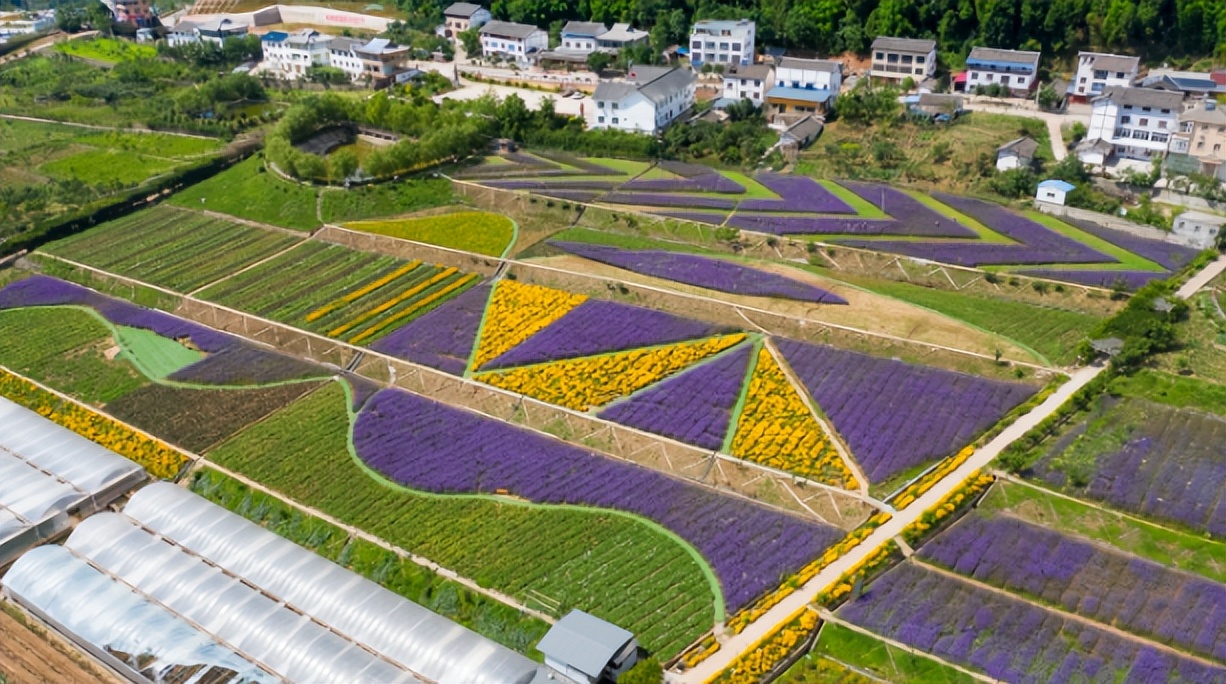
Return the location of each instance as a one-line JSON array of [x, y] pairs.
[[908, 70]]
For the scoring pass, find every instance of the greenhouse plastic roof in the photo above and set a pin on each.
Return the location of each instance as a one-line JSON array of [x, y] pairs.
[[47, 472], [404, 632]]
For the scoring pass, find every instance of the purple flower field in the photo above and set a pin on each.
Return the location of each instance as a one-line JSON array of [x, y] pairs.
[[40, 290], [815, 225], [247, 365], [694, 407], [573, 195], [705, 182], [1180, 609], [662, 200], [914, 216], [700, 271], [597, 327], [436, 448], [797, 193], [894, 415], [1170, 465], [1009, 639], [363, 389], [1132, 280], [1170, 256], [443, 338], [519, 184]]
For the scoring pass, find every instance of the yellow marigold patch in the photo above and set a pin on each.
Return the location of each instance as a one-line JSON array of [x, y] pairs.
[[758, 660], [777, 429], [518, 311], [593, 381]]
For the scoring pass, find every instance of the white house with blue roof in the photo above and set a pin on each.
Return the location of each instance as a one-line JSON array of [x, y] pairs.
[[1053, 191], [804, 86], [1016, 70]]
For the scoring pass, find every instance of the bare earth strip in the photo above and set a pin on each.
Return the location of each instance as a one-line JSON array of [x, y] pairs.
[[30, 654]]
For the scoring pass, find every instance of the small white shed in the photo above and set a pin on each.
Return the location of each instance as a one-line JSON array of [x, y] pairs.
[[1016, 154], [1053, 191], [587, 649], [1197, 229]]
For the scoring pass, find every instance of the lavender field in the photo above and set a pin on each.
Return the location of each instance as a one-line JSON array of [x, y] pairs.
[[432, 447], [896, 416], [1146, 458], [1008, 638], [1177, 608], [443, 338]]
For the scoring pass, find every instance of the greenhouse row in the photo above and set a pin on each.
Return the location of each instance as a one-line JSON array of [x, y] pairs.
[[178, 589], [50, 474]]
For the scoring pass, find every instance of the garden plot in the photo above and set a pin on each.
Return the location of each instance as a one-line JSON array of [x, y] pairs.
[[471, 231], [175, 249], [1008, 638]]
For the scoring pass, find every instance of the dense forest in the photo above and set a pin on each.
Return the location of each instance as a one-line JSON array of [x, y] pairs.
[[1181, 31]]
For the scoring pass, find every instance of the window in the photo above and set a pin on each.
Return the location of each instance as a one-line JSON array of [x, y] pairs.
[[1100, 74], [600, 119], [1185, 127], [920, 59], [1125, 119], [907, 59], [723, 46], [614, 105], [615, 121], [1083, 80], [1004, 80], [697, 45], [600, 104], [1159, 137], [1162, 124], [879, 56], [1119, 74], [1140, 135], [1200, 146], [1144, 122], [1128, 107], [757, 82], [919, 70], [736, 47], [1217, 147], [1147, 109]]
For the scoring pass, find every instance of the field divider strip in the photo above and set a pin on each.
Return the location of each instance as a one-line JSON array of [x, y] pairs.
[[1063, 613], [392, 361], [830, 618]]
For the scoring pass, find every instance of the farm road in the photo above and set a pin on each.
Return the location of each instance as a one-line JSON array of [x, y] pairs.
[[733, 646], [1196, 282]]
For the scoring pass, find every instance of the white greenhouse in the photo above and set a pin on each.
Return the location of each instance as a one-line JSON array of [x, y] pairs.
[[49, 473], [263, 598]]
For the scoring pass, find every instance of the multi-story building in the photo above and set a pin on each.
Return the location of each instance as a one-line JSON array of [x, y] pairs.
[[1187, 83], [511, 40], [647, 101], [748, 82], [17, 23], [1017, 70], [1130, 123], [620, 36], [804, 86], [462, 16], [135, 12], [213, 31], [291, 54], [581, 36], [724, 43], [902, 58], [1097, 71], [1201, 139]]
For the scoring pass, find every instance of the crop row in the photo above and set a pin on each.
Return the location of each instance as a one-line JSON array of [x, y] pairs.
[[519, 550], [1107, 586], [1008, 638], [443, 338], [516, 312]]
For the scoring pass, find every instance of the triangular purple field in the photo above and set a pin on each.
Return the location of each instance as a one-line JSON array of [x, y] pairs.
[[694, 407], [444, 337], [896, 415], [599, 327]]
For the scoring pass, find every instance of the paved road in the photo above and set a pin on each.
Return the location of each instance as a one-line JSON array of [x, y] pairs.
[[733, 646], [1054, 122], [1202, 279]]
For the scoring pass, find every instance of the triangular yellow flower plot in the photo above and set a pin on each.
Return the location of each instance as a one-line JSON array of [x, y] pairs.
[[516, 312]]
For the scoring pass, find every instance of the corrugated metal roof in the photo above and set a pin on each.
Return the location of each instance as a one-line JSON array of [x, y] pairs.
[[1143, 97], [917, 45], [584, 28], [802, 94], [987, 54], [461, 9], [506, 29], [584, 642]]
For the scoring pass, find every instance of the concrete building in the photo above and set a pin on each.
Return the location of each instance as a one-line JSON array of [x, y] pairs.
[[748, 82], [462, 16], [587, 649], [1201, 139], [1137, 122], [18, 23], [1197, 229], [647, 101], [512, 41], [1187, 83], [719, 42], [620, 36], [1016, 154], [898, 59], [1096, 71], [1014, 69], [213, 31], [804, 86], [1053, 191], [581, 36], [291, 54]]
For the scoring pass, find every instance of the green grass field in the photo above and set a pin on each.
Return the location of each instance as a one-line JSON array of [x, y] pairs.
[[1173, 390], [521, 550], [106, 49], [95, 167], [844, 646], [471, 231], [245, 190], [157, 356], [385, 199], [162, 145], [176, 249]]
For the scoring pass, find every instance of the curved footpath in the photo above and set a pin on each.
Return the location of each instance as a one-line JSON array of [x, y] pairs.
[[733, 646]]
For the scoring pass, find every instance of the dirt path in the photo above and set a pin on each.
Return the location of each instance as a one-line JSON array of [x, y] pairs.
[[29, 654]]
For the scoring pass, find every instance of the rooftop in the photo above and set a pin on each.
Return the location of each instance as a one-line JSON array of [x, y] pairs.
[[802, 94], [986, 54], [1057, 185], [584, 642], [759, 72], [584, 28], [654, 82], [1110, 62], [916, 45], [810, 64], [1142, 97], [507, 29], [622, 33], [710, 25], [1024, 146], [1202, 113], [1202, 217], [461, 9]]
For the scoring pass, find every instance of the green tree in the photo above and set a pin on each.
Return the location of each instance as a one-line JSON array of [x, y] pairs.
[[1048, 97], [471, 40], [598, 61], [646, 671], [342, 165]]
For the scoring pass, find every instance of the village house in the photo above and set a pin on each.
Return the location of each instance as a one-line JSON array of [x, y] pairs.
[[512, 41], [213, 31], [647, 101], [722, 42], [1016, 154], [291, 54], [1013, 69], [462, 16], [619, 37], [1200, 140], [1096, 71], [1053, 191], [898, 59], [17, 23], [1197, 229], [1186, 83], [804, 86], [1136, 122], [748, 82]]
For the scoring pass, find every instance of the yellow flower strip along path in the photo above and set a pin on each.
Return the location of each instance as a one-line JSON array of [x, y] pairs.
[[593, 381], [516, 312], [777, 429], [361, 292], [407, 294], [373, 330]]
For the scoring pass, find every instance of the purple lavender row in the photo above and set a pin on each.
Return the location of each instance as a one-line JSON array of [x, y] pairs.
[[707, 182], [40, 290], [572, 195], [598, 327], [247, 365], [700, 271], [975, 253], [914, 216], [429, 446], [894, 415], [443, 338], [1130, 280], [797, 193], [1170, 256], [1109, 587], [1170, 467], [694, 407], [1036, 236], [815, 225], [546, 185], [699, 216], [1007, 638], [363, 389], [661, 200], [685, 169]]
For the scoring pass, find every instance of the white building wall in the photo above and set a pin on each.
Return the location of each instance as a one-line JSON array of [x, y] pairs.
[[579, 43], [1091, 82], [735, 48], [803, 78], [1051, 196], [1006, 161], [1135, 132], [754, 90], [900, 66], [514, 47], [1012, 80], [634, 113]]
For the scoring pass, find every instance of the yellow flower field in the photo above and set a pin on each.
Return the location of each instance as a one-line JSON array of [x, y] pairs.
[[762, 657], [361, 292], [518, 311], [444, 292], [593, 381], [407, 294], [470, 231], [777, 429]]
